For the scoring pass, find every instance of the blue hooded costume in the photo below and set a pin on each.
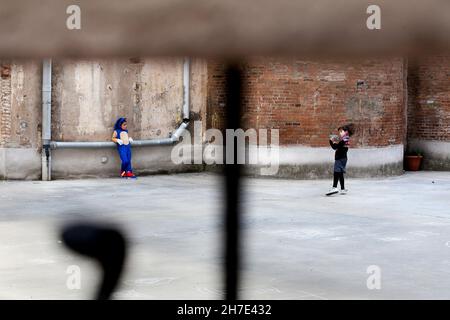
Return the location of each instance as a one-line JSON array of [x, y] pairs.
[[124, 150]]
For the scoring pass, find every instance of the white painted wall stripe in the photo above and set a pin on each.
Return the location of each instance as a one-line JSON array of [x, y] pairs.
[[435, 149], [358, 157]]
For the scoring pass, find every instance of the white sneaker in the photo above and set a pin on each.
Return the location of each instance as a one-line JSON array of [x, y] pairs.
[[343, 191], [332, 191]]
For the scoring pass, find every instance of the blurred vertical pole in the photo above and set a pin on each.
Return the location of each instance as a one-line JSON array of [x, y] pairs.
[[232, 173]]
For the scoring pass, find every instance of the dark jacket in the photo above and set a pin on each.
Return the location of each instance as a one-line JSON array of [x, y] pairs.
[[341, 150]]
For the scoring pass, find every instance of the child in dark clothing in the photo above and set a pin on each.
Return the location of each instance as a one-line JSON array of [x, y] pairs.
[[340, 143]]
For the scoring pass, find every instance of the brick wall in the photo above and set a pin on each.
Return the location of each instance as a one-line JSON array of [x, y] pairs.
[[308, 100], [5, 103], [429, 110], [429, 98], [20, 101], [215, 101]]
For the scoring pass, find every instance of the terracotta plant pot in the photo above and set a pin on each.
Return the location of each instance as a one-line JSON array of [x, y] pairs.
[[413, 162]]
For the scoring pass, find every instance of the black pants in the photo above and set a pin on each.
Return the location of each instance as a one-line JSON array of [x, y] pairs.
[[338, 176]]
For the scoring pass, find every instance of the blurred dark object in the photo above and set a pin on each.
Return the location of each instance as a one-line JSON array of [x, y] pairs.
[[232, 172], [32, 29], [105, 245]]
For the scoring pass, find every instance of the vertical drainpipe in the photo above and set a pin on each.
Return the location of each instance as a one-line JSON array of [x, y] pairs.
[[186, 87], [46, 118]]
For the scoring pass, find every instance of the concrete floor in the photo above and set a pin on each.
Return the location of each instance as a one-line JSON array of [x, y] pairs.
[[298, 243]]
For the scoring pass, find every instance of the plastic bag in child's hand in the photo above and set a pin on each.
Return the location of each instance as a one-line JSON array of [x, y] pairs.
[[334, 138]]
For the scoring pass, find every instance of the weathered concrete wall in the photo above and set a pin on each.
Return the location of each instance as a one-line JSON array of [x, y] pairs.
[[436, 154], [315, 163], [20, 133], [89, 96], [88, 163]]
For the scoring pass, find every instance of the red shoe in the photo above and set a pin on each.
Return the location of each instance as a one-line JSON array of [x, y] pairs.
[[130, 175], [123, 174]]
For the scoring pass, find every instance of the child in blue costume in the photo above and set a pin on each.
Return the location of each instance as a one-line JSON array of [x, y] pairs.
[[120, 136]]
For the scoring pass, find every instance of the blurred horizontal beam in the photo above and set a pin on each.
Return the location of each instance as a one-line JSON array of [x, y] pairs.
[[221, 28]]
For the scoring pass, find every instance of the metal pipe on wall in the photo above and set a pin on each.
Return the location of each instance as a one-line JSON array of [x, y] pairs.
[[186, 87], [104, 144], [142, 143], [46, 118]]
